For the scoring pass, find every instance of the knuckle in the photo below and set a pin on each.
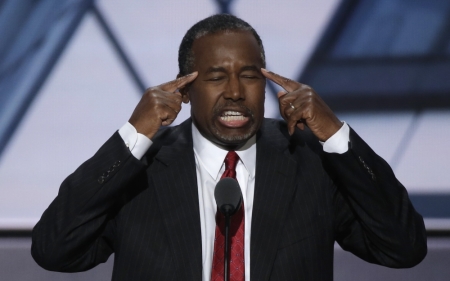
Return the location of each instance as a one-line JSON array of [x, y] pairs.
[[178, 98], [158, 104], [286, 80], [177, 109], [305, 87], [151, 93], [151, 89], [162, 114], [153, 96]]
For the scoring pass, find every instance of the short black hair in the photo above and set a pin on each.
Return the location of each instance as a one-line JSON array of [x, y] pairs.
[[210, 25]]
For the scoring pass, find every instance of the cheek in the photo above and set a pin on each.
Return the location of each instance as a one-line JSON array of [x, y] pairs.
[[202, 105], [257, 98]]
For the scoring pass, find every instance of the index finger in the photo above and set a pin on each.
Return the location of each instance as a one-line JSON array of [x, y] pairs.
[[287, 84], [178, 83]]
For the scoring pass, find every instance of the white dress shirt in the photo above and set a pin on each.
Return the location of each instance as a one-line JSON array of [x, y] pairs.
[[209, 160], [210, 166]]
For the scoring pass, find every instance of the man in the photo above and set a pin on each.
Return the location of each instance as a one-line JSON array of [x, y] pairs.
[[147, 194]]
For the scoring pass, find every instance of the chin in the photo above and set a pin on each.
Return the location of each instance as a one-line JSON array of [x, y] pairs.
[[234, 139]]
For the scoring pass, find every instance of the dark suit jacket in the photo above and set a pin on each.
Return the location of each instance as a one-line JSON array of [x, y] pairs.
[[147, 212]]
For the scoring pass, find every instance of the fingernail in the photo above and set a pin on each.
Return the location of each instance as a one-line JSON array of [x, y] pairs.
[[263, 69]]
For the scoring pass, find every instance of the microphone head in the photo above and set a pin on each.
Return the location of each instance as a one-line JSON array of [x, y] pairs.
[[228, 196]]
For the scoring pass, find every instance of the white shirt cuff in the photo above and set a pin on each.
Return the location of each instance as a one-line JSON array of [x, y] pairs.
[[338, 143], [136, 142]]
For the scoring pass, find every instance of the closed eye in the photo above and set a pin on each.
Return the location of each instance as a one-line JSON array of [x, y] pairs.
[[250, 77], [216, 78]]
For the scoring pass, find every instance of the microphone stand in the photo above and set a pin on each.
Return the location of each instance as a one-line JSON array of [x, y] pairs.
[[226, 267], [227, 210]]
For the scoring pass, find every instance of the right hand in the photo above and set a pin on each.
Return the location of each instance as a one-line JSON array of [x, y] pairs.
[[160, 105], [300, 105]]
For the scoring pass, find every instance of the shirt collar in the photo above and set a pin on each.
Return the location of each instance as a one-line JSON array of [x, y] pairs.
[[212, 156]]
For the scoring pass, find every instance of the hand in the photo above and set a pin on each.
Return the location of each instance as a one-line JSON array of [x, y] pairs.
[[301, 106], [160, 105]]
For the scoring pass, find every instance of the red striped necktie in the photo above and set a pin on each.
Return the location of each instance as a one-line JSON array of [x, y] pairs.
[[237, 269]]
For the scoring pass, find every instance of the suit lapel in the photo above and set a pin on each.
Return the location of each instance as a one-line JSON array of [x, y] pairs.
[[173, 175], [274, 189]]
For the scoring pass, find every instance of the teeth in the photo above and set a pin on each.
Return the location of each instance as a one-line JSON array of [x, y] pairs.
[[232, 118], [232, 113]]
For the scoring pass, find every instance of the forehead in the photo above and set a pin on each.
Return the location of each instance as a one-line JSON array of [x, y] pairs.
[[224, 46]]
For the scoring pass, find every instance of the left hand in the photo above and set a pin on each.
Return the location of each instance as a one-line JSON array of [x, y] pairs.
[[301, 106]]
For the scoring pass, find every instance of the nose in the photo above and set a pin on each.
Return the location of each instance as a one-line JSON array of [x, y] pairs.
[[234, 90]]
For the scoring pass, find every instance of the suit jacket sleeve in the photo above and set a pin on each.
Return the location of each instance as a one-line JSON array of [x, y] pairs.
[[76, 232], [374, 217]]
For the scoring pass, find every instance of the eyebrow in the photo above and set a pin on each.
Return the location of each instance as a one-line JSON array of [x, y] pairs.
[[250, 67]]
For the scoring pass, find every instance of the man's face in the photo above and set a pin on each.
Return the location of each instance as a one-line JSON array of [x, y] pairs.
[[227, 97]]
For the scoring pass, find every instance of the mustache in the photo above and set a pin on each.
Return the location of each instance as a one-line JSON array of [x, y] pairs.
[[218, 109]]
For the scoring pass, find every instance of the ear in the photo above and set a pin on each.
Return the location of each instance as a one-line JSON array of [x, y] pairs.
[[184, 91], [185, 94]]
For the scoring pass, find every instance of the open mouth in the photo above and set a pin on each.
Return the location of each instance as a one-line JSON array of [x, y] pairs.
[[233, 119], [232, 116]]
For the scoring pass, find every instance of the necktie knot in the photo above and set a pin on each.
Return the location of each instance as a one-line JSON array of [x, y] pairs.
[[231, 161]]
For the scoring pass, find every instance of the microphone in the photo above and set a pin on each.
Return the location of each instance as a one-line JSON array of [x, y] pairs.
[[228, 197]]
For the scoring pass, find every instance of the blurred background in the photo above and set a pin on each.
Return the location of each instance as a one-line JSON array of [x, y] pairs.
[[72, 71]]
